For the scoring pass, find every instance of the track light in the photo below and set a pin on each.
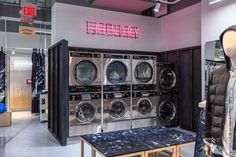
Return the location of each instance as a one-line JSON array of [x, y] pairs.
[[214, 1], [13, 51], [157, 7]]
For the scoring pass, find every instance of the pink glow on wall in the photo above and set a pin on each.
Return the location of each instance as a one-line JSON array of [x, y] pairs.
[[106, 29]]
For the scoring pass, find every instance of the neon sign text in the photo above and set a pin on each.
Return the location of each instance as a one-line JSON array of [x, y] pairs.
[[106, 29]]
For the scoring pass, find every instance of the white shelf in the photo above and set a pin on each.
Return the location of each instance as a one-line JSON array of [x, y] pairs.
[[43, 108]]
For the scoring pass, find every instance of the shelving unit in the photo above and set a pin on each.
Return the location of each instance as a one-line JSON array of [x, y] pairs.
[[43, 108]]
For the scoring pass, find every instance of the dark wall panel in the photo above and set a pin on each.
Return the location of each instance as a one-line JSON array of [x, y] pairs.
[[185, 90], [197, 83], [188, 62], [58, 91]]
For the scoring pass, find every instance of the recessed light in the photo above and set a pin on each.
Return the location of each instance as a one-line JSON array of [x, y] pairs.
[[214, 1]]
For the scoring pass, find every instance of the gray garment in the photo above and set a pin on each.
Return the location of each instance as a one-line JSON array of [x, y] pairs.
[[228, 134]]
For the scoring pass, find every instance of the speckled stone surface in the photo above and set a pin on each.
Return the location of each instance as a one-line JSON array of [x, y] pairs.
[[136, 140]]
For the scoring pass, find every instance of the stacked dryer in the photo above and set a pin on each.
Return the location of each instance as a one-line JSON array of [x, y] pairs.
[[167, 110], [144, 89], [116, 87], [85, 91]]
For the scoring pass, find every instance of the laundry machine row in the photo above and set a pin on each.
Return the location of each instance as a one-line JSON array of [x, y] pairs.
[[108, 88], [100, 87]]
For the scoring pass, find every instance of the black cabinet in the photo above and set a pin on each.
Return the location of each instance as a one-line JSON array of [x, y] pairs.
[[58, 91], [188, 61]]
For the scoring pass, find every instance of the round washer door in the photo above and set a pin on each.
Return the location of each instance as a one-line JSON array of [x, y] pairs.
[[144, 107], [143, 72], [167, 78], [117, 109], [116, 72], [85, 72], [85, 112], [167, 111]]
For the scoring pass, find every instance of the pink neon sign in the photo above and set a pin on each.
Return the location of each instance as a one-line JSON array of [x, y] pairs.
[[99, 28]]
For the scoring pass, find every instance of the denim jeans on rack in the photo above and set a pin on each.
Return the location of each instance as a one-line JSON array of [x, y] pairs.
[[200, 145], [215, 155]]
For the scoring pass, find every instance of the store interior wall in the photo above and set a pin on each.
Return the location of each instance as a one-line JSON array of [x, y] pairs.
[[181, 29], [215, 19], [69, 22], [184, 24], [13, 41]]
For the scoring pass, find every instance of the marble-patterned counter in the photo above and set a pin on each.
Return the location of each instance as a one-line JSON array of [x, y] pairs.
[[136, 140]]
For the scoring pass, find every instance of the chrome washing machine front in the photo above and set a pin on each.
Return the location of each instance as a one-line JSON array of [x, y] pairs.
[[86, 107], [84, 70], [85, 113], [117, 106], [143, 72], [167, 76], [144, 105], [167, 110], [117, 69]]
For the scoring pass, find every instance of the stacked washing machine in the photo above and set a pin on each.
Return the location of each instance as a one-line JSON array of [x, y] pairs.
[[116, 91], [144, 90], [85, 92], [167, 82]]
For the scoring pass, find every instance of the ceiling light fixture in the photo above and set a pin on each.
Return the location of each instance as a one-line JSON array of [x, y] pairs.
[[214, 1], [13, 51], [157, 7], [167, 1]]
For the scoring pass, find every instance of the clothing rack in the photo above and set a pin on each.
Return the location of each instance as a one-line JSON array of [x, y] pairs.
[[38, 78], [28, 49], [3, 80]]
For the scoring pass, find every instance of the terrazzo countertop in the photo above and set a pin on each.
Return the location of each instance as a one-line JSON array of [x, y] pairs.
[[135, 140]]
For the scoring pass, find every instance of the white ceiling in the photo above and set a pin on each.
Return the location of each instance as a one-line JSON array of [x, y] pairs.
[[135, 6]]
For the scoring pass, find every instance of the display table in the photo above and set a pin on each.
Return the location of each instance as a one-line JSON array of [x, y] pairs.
[[136, 142]]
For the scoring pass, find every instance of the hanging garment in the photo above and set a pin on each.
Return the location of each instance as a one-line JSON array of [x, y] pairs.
[[41, 73], [200, 145], [2, 77], [38, 77], [35, 105]]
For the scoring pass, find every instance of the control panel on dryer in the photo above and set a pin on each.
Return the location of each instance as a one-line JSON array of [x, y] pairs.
[[79, 89], [144, 87], [108, 88], [84, 96], [116, 95], [144, 94]]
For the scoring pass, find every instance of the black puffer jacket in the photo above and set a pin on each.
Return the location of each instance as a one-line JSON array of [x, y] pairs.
[[215, 108]]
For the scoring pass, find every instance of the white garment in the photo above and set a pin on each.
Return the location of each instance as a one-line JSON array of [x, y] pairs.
[[228, 134], [226, 138]]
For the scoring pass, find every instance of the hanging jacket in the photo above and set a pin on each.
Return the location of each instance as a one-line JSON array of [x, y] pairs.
[[215, 108]]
